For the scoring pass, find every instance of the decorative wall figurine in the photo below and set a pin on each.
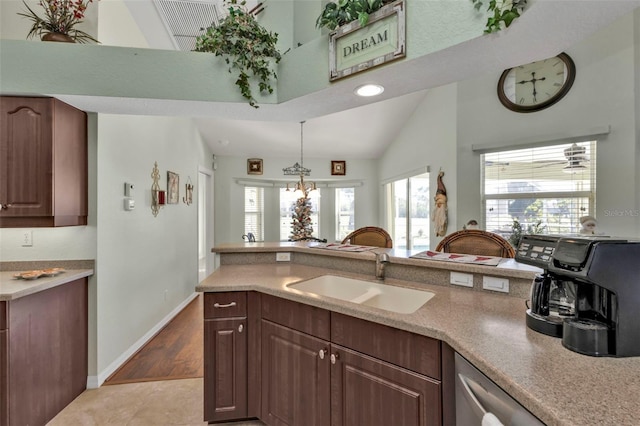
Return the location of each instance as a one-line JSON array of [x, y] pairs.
[[439, 215], [173, 187]]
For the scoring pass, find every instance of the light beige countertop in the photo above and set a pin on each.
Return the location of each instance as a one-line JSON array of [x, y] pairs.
[[13, 288], [557, 385]]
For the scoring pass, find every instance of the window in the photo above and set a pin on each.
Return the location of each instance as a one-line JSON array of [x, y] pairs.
[[550, 185], [254, 212], [345, 212], [287, 204], [409, 215]]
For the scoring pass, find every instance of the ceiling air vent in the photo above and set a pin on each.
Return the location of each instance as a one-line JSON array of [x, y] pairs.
[[186, 20]]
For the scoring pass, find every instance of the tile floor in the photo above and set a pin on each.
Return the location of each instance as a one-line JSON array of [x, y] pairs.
[[167, 403]]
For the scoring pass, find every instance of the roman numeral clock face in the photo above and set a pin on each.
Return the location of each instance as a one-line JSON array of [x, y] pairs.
[[536, 85]]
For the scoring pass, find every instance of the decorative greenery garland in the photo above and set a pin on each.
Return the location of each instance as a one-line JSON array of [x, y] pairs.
[[246, 46]]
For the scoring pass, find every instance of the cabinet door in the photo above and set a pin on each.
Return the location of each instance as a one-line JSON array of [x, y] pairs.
[[4, 381], [367, 391], [225, 369], [295, 377], [25, 157]]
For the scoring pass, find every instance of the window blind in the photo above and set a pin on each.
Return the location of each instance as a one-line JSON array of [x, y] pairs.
[[550, 187]]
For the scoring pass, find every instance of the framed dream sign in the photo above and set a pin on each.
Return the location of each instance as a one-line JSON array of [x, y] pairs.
[[353, 48]]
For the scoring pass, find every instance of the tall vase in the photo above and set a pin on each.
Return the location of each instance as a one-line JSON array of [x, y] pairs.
[[65, 38]]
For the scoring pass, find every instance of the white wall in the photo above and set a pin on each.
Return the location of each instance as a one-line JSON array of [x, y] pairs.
[[138, 257], [229, 196], [602, 95], [428, 139], [147, 265]]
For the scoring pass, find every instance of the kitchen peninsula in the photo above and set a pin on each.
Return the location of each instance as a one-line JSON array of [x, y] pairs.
[[558, 386], [43, 340]]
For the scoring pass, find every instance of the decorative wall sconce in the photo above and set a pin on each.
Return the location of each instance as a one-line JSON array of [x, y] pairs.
[[188, 198], [157, 196]]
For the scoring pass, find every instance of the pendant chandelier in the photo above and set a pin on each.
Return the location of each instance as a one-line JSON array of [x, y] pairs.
[[298, 169]]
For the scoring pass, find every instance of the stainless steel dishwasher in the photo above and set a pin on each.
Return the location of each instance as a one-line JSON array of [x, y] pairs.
[[481, 402]]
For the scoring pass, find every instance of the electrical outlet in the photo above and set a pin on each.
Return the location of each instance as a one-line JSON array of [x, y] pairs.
[[283, 257], [458, 278], [27, 238], [495, 284]]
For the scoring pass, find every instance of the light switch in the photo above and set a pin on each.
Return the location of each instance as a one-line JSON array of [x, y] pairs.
[[458, 278], [495, 284]]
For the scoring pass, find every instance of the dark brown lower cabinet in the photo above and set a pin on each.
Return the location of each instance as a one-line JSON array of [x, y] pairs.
[[43, 353], [225, 362], [295, 377], [319, 368], [367, 391], [226, 371]]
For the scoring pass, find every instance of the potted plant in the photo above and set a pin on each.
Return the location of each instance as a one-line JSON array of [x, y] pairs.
[[60, 19], [246, 47], [335, 15]]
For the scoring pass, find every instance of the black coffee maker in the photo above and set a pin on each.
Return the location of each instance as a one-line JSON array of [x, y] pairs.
[[601, 277], [552, 299]]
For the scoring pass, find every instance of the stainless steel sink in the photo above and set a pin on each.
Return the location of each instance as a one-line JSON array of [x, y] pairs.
[[388, 297]]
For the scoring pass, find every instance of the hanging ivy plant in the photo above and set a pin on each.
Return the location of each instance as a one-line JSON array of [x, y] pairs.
[[335, 15], [501, 13], [246, 46]]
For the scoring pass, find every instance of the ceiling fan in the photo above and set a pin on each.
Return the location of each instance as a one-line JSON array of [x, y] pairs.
[[575, 155]]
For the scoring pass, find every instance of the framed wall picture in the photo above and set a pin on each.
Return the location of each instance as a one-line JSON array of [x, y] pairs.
[[173, 187], [254, 166], [338, 168]]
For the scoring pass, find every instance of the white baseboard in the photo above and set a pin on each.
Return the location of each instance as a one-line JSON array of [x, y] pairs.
[[94, 382]]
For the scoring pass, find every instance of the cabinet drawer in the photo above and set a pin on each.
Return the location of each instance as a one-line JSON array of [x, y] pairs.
[[298, 316], [225, 305], [3, 316], [412, 351]]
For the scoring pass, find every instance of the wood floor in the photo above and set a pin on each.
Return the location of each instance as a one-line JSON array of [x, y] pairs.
[[176, 352]]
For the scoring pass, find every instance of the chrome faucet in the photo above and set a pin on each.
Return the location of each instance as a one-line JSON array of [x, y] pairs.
[[381, 261], [249, 237]]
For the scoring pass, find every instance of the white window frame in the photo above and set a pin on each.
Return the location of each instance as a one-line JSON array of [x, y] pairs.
[[350, 227], [256, 226], [391, 204]]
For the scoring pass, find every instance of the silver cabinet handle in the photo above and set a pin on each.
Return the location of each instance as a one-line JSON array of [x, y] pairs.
[[334, 358], [228, 305], [240, 328], [322, 353]]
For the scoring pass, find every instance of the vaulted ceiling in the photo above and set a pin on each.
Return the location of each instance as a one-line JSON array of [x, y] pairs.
[[339, 124]]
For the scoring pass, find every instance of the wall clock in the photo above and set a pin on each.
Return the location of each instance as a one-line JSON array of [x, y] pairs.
[[537, 85]]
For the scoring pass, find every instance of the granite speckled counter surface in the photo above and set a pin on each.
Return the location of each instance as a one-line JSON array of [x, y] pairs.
[[12, 288], [559, 386]]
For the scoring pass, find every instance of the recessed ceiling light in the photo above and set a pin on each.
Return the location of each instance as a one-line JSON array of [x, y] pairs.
[[369, 90]]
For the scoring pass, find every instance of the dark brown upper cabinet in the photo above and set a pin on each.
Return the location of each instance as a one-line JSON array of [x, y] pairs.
[[43, 163]]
